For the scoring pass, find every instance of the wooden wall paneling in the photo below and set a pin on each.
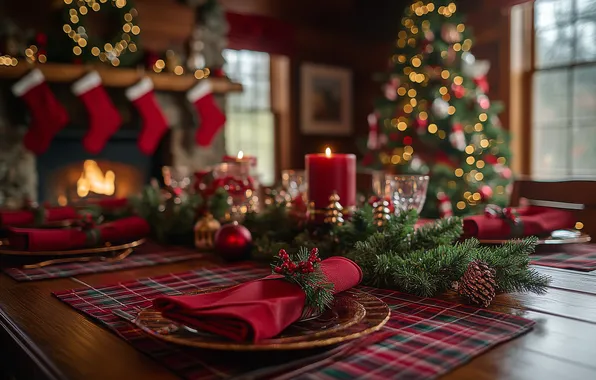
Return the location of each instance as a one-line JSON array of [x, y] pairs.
[[164, 23]]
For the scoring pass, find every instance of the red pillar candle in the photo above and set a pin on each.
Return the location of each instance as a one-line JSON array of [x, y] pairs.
[[328, 172]]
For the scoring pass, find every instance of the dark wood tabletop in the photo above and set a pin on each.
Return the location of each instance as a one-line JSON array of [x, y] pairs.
[[41, 337]]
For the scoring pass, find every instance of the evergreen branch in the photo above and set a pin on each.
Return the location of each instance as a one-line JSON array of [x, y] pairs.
[[443, 232]]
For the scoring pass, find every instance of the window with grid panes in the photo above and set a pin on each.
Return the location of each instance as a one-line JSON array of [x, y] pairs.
[[250, 123], [564, 89]]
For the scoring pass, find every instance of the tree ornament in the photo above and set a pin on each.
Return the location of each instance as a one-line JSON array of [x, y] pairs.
[[502, 170], [390, 88], [429, 35], [486, 192], [478, 284], [421, 124], [334, 215], [382, 213], [450, 34], [476, 69], [458, 90], [122, 50], [483, 101], [445, 207], [204, 232], [373, 131], [233, 242], [457, 137], [440, 108]]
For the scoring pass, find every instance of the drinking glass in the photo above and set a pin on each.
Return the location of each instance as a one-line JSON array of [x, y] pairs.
[[378, 180], [294, 182], [407, 192]]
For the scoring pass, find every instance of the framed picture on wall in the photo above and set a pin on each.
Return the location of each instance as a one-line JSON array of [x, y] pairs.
[[325, 100]]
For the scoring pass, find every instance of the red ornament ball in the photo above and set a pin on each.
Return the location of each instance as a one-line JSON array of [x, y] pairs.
[[486, 192], [233, 242], [506, 173]]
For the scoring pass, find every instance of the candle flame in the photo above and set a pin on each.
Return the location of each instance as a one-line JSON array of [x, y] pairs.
[[328, 152], [240, 155]]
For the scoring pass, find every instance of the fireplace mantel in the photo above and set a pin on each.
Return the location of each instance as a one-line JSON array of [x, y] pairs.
[[120, 77]]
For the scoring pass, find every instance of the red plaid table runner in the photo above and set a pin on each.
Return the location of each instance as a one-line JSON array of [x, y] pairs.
[[428, 337], [149, 254], [580, 257]]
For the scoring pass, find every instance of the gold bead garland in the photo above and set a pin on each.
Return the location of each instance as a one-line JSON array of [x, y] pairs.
[[108, 52]]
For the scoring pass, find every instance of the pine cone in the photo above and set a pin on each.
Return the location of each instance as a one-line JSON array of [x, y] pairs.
[[478, 283]]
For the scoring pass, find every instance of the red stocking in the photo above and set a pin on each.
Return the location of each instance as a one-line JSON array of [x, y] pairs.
[[48, 116], [212, 119], [154, 122], [104, 119]]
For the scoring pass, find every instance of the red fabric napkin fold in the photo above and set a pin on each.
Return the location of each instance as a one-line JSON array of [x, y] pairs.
[[257, 309], [536, 221], [119, 231], [16, 218], [110, 204]]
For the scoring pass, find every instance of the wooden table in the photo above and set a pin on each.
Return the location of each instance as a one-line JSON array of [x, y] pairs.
[[40, 337]]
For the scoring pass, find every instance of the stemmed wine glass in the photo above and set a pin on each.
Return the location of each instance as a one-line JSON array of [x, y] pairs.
[[407, 192]]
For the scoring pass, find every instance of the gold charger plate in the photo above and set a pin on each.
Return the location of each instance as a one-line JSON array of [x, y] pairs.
[[353, 314], [107, 248], [583, 238]]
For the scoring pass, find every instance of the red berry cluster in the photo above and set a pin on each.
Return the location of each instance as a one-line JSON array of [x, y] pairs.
[[289, 267]]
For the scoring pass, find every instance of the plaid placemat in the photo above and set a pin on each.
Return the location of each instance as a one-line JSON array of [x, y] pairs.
[[427, 337], [149, 254], [580, 257]]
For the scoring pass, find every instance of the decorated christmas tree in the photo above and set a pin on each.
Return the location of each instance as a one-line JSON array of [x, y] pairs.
[[435, 117]]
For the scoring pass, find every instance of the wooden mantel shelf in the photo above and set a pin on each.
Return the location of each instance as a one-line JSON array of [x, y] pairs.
[[112, 77]]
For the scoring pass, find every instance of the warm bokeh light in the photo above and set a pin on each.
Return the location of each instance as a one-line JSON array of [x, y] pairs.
[[328, 152], [240, 154]]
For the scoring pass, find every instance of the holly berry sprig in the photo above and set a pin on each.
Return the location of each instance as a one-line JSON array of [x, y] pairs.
[[304, 269], [289, 267]]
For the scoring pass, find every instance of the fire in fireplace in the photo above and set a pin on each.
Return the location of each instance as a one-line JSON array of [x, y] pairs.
[[68, 174], [93, 180]]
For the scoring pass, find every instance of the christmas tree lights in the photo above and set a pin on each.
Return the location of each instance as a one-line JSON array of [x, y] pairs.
[[435, 117]]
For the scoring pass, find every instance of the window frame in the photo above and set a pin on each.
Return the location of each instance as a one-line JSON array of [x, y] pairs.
[[524, 28]]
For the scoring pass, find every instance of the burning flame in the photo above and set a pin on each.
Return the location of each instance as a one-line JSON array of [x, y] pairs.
[[93, 180], [240, 155], [328, 152]]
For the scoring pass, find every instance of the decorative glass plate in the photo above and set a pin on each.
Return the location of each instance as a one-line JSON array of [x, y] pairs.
[[5, 249], [353, 314], [583, 238], [108, 253]]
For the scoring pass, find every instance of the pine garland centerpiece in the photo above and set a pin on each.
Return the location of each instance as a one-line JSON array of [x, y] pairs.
[[425, 261]]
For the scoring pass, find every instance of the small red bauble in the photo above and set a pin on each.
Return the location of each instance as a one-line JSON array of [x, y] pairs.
[[233, 242], [486, 192]]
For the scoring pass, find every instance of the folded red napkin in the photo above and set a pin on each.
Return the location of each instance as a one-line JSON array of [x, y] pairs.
[[18, 218], [257, 309], [119, 231], [110, 204], [535, 221]]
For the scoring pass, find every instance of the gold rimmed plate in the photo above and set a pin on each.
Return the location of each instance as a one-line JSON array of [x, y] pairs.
[[583, 238], [5, 249], [352, 315]]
